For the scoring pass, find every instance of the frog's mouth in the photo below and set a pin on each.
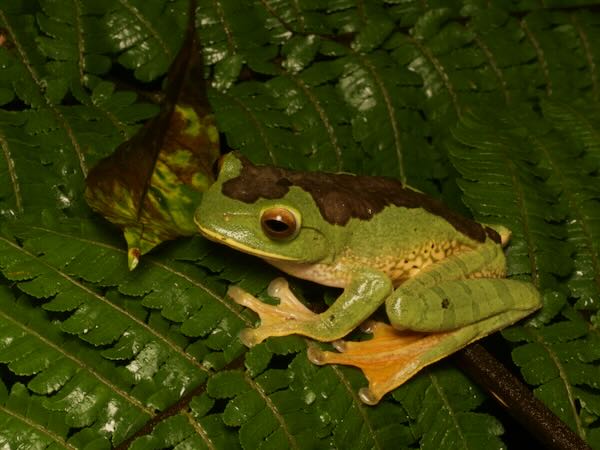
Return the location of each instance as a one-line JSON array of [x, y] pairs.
[[214, 236]]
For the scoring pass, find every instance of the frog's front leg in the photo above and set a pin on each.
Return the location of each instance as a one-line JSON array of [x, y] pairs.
[[367, 290]]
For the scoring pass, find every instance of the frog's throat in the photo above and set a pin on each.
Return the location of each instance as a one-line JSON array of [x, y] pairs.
[[236, 245]]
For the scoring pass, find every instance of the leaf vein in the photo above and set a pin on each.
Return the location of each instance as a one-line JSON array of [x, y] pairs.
[[492, 61], [588, 54], [258, 126], [10, 165], [80, 41], [391, 113], [230, 40], [324, 119], [563, 376], [199, 430], [437, 65], [114, 120], [359, 405], [142, 20], [523, 211], [276, 16], [274, 410], [539, 51], [448, 407]]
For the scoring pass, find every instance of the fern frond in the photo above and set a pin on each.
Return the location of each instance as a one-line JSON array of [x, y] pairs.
[[548, 169], [384, 114], [367, 87], [331, 392], [496, 162], [233, 34], [261, 122], [73, 136], [574, 161], [562, 361], [21, 188], [262, 407], [73, 382], [442, 403], [150, 351]]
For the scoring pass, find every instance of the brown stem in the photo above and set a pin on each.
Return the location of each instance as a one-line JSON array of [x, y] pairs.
[[518, 400]]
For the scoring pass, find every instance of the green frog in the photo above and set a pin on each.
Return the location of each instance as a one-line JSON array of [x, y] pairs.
[[439, 274]]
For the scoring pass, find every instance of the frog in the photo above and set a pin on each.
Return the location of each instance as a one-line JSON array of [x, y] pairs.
[[439, 275]]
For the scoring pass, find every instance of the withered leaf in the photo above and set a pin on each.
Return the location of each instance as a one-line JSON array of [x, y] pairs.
[[151, 185]]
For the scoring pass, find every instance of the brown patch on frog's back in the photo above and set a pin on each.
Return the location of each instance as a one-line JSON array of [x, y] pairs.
[[341, 197], [493, 235]]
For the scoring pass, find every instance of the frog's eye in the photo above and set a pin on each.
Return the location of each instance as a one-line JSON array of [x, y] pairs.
[[279, 223]]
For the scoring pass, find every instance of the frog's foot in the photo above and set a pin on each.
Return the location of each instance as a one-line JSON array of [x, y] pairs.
[[389, 359], [275, 320]]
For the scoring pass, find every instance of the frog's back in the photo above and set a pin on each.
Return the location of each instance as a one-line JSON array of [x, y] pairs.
[[341, 197]]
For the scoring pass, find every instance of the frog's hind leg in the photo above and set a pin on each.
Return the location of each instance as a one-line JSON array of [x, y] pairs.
[[387, 360], [393, 356]]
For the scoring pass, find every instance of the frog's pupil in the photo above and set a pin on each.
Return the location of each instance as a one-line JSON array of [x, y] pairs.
[[277, 226]]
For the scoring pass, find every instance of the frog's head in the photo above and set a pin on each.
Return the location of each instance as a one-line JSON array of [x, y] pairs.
[[269, 219]]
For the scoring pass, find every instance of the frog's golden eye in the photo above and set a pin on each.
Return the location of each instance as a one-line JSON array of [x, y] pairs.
[[279, 223]]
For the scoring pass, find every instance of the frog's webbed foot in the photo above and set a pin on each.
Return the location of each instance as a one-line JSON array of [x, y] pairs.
[[387, 360], [275, 320]]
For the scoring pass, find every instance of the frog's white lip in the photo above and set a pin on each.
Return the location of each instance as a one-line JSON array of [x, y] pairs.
[[216, 237]]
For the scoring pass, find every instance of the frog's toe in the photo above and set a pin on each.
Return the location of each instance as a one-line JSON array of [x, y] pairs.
[[241, 297], [368, 326], [368, 396], [378, 329], [249, 337], [316, 355], [278, 287], [340, 345]]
